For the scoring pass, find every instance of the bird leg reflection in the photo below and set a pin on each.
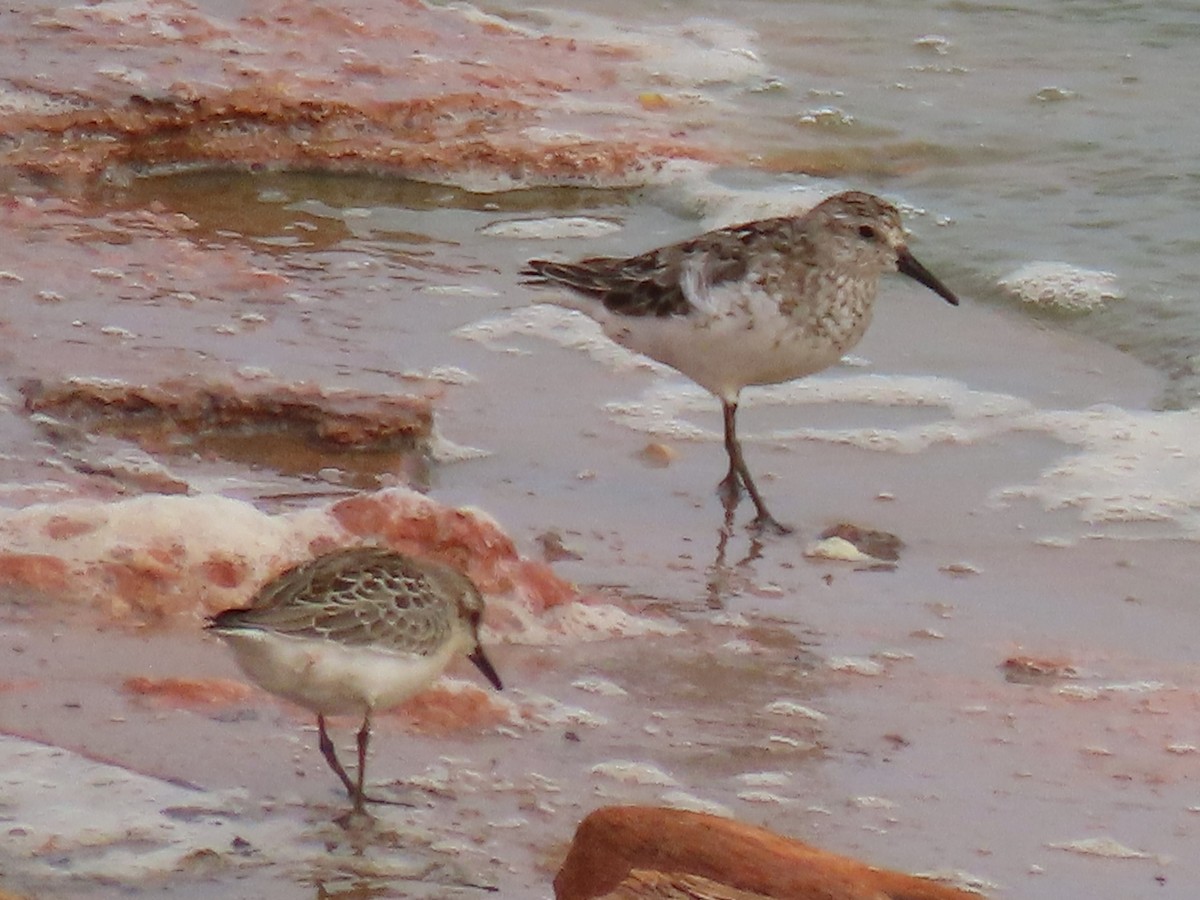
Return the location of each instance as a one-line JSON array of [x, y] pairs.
[[720, 574]]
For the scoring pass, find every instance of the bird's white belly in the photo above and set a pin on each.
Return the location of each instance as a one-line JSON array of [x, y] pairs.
[[725, 352], [330, 678]]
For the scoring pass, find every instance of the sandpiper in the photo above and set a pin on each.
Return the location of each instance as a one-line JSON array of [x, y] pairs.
[[759, 303], [355, 631]]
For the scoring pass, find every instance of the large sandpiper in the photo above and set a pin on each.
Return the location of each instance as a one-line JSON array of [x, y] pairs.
[[759, 303]]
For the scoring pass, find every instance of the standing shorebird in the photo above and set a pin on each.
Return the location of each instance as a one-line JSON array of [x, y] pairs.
[[759, 303], [355, 631]]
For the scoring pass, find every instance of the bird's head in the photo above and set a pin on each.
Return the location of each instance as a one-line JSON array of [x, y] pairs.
[[863, 230]]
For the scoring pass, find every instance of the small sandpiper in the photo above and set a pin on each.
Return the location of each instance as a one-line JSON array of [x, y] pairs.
[[355, 631], [759, 303]]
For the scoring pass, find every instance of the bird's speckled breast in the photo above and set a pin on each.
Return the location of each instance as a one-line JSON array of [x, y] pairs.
[[835, 312]]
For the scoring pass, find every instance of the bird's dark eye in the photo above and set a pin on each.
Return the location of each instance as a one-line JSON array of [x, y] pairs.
[[866, 231]]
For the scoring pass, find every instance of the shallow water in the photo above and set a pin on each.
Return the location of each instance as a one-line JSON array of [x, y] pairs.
[[1041, 133]]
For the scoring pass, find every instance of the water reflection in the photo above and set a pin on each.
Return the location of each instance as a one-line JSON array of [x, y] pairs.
[[724, 580]]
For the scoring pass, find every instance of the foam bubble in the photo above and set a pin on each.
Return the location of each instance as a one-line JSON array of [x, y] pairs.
[[762, 797], [582, 622], [1107, 847], [634, 773], [1058, 285], [551, 228], [765, 779], [602, 686], [784, 707]]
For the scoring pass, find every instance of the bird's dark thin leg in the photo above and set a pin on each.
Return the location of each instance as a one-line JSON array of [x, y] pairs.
[[354, 787], [330, 755], [738, 470], [730, 487], [364, 735]]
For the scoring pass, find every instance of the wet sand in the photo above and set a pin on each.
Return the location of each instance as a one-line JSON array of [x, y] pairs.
[[870, 712], [922, 754]]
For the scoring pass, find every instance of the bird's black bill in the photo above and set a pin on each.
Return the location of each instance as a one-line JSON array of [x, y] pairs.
[[908, 265], [484, 665]]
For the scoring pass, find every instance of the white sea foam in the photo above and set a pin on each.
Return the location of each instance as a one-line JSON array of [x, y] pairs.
[[688, 54], [444, 450], [690, 802], [197, 526], [113, 823], [968, 415], [192, 530], [1100, 846], [561, 326], [29, 102], [545, 711]]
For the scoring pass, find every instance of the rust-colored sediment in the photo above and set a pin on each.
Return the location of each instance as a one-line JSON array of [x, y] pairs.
[[399, 87], [613, 842], [157, 416], [466, 539], [187, 692], [437, 710], [441, 710]]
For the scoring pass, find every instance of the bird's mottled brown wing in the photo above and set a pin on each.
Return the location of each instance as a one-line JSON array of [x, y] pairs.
[[646, 285], [357, 596], [652, 284]]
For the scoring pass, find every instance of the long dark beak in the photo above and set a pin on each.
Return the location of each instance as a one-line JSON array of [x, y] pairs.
[[484, 665], [908, 265]]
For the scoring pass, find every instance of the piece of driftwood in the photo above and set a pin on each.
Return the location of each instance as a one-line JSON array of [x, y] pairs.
[[616, 847]]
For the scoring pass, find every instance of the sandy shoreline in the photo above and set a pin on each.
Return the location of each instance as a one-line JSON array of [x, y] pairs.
[[928, 761]]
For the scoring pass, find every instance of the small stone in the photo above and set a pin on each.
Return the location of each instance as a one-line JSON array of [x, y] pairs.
[[959, 569], [553, 549], [1030, 670], [658, 455], [852, 543]]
